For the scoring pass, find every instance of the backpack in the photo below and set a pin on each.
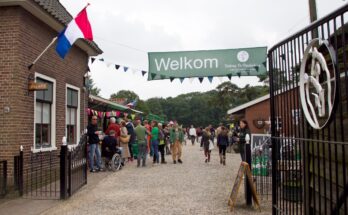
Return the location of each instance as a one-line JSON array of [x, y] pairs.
[[160, 135]]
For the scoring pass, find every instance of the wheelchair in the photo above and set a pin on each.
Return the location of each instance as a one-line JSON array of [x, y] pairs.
[[115, 162]]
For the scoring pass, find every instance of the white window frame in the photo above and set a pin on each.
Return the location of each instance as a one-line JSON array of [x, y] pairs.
[[53, 116], [78, 114]]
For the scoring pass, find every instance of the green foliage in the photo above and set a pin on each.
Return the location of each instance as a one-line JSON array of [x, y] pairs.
[[92, 88], [127, 94], [198, 109]]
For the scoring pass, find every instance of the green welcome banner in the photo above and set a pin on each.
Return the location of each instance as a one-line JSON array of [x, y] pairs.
[[187, 64]]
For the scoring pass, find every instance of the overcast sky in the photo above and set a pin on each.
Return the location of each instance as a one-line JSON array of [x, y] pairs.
[[127, 30]]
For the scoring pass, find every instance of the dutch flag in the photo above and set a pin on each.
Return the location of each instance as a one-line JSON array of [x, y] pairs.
[[77, 28]]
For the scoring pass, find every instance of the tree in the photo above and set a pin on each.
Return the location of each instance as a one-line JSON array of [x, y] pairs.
[[92, 89], [127, 94]]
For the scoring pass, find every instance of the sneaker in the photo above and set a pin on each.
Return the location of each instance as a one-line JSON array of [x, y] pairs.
[[92, 170], [174, 161], [180, 161], [206, 160]]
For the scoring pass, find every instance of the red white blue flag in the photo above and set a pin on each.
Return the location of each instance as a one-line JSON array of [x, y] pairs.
[[77, 28]]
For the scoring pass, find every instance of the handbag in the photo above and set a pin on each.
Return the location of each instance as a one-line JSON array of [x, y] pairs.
[[125, 139], [211, 145], [235, 147]]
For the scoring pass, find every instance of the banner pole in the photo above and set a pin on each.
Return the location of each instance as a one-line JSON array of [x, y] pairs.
[[43, 52]]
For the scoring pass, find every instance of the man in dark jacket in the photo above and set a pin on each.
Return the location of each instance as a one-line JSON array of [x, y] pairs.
[[130, 130], [93, 140]]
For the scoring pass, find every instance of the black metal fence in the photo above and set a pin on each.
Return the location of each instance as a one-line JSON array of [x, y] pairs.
[[42, 176], [309, 94], [46, 175], [77, 173], [3, 178]]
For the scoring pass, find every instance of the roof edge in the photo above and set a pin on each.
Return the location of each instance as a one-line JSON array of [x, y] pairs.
[[248, 104]]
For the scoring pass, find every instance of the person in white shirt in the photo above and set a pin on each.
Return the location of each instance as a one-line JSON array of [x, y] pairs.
[[193, 134]]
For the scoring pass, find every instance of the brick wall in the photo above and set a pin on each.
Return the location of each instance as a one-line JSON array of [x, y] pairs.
[[257, 111], [22, 38]]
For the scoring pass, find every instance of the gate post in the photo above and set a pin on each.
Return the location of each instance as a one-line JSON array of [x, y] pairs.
[[20, 176], [274, 144], [246, 182], [63, 171]]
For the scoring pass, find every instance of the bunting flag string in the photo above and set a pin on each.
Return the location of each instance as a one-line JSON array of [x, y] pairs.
[[118, 67], [101, 114]]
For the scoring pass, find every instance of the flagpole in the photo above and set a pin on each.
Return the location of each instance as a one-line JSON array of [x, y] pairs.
[[43, 52]]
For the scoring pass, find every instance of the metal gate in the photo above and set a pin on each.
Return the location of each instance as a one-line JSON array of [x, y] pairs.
[[309, 118], [54, 174]]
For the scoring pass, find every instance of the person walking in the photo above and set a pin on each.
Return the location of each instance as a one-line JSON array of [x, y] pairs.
[[154, 141], [162, 144], [166, 139], [124, 139], [192, 133], [93, 140], [241, 137], [141, 133], [222, 142], [176, 139], [148, 128], [205, 142]]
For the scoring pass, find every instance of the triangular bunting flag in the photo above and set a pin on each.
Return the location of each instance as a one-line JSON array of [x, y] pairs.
[[191, 80], [257, 68], [200, 79], [163, 77], [182, 80], [210, 78], [239, 74], [125, 69], [132, 116], [118, 113], [117, 66], [88, 70], [220, 79], [171, 79], [264, 63], [153, 76], [282, 56], [229, 76], [101, 59], [143, 72], [134, 71], [93, 59], [108, 65]]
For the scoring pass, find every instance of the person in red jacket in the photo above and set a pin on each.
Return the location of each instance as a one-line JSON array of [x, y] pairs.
[[113, 126]]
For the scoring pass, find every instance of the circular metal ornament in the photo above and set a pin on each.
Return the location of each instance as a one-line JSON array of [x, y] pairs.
[[318, 81]]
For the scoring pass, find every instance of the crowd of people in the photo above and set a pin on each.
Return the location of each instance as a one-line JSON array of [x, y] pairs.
[[225, 137], [152, 138], [158, 140]]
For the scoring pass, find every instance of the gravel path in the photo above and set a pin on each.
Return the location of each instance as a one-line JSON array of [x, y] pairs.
[[193, 187]]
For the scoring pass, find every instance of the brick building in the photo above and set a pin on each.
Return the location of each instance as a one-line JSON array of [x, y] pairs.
[[255, 112], [38, 120]]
